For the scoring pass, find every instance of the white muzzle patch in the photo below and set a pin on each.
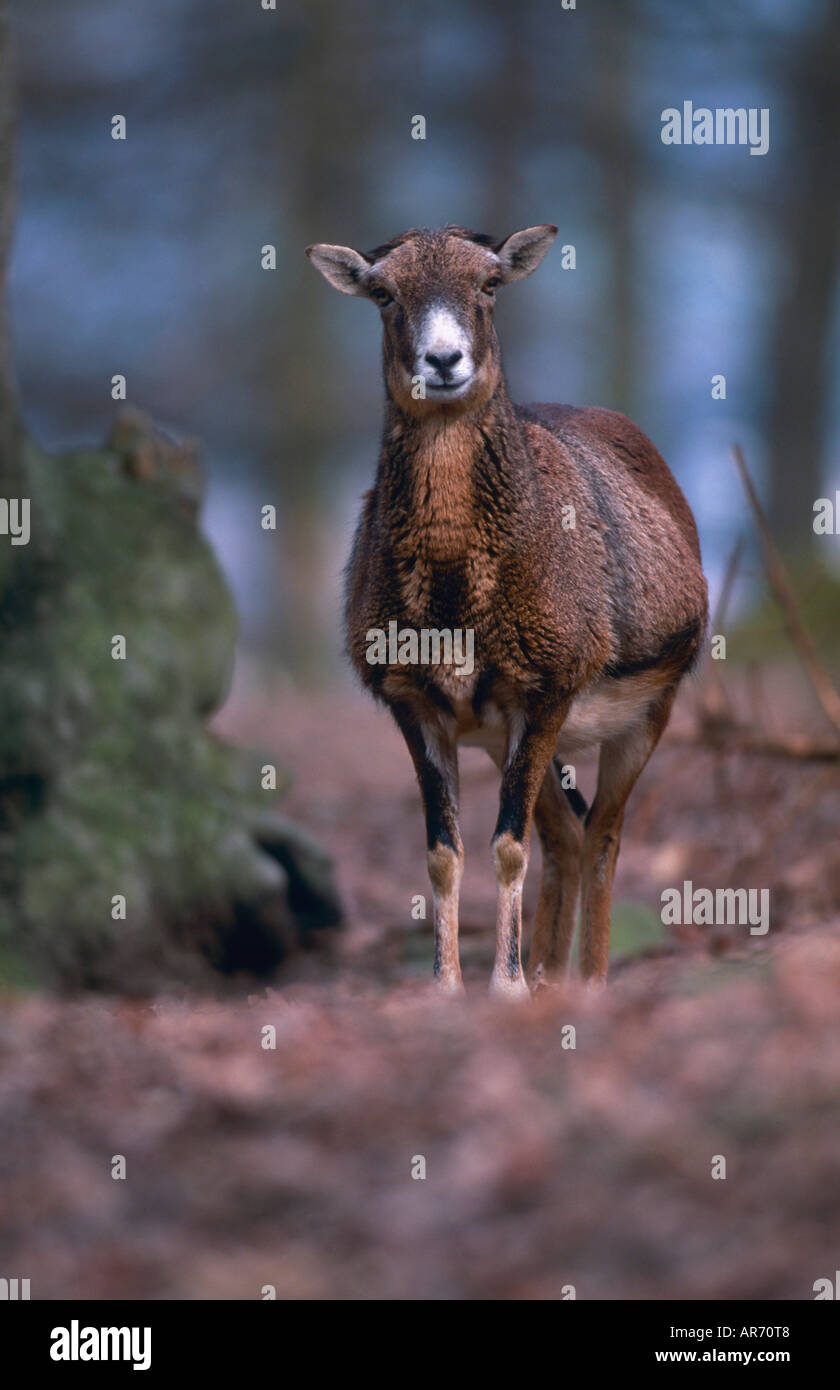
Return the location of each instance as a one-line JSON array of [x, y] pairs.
[[443, 354]]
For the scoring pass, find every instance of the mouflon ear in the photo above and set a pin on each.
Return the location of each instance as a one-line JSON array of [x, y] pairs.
[[341, 267], [521, 252]]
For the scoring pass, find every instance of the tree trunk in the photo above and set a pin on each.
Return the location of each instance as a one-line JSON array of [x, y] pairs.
[[9, 424], [810, 228]]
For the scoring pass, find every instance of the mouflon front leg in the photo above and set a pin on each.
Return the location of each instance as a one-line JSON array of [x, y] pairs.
[[531, 746], [434, 753]]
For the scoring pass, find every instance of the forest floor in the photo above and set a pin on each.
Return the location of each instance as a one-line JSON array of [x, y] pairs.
[[547, 1167]]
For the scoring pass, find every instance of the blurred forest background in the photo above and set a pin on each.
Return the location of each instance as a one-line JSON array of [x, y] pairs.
[[288, 1167], [248, 127]]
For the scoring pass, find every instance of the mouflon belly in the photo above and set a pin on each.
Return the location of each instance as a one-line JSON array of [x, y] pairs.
[[603, 711]]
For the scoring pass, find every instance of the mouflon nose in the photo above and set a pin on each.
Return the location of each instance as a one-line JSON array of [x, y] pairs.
[[444, 362]]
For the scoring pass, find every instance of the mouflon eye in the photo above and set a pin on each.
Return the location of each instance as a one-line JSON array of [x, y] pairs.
[[380, 296]]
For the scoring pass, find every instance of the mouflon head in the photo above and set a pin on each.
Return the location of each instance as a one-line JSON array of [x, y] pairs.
[[436, 292]]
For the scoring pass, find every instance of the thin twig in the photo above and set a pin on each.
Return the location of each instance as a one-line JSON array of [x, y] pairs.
[[785, 813], [714, 698], [731, 738], [728, 584], [783, 593]]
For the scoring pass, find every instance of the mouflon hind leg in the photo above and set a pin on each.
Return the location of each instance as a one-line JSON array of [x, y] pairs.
[[622, 760], [561, 836], [528, 758]]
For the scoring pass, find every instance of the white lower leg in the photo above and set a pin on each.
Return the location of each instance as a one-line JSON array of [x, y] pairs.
[[511, 861], [445, 869]]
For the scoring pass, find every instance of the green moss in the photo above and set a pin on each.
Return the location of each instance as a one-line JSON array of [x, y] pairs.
[[634, 927], [710, 976], [109, 781]]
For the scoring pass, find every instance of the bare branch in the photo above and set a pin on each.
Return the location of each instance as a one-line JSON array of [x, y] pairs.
[[784, 596], [723, 737]]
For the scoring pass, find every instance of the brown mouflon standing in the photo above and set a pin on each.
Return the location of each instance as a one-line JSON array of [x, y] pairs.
[[557, 541]]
